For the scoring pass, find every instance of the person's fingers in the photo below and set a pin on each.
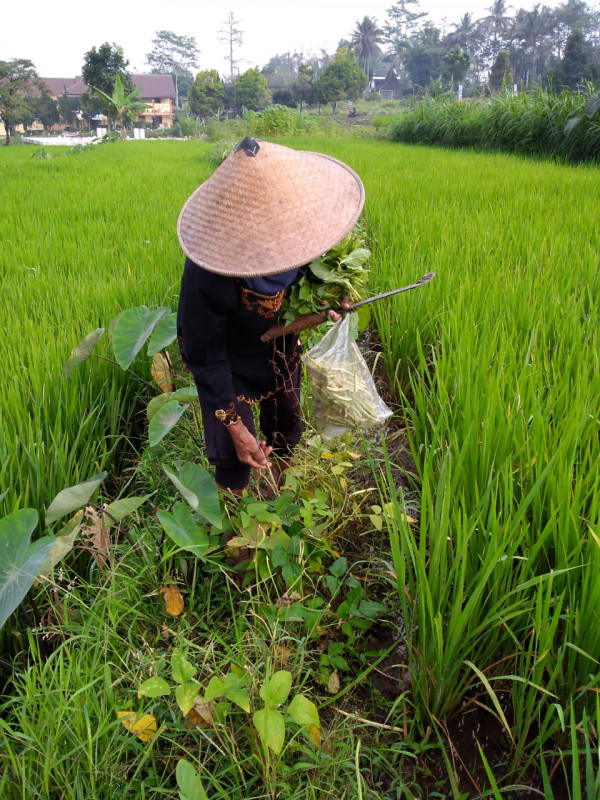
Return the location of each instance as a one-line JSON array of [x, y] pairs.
[[346, 303], [333, 315]]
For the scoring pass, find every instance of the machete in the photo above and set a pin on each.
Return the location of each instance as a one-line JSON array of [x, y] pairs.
[[309, 320]]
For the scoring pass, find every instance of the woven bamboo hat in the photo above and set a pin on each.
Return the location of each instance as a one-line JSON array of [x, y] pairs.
[[268, 209]]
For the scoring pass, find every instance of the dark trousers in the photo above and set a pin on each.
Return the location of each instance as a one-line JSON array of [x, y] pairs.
[[280, 423]]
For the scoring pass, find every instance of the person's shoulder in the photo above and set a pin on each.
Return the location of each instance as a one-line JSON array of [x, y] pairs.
[[203, 277]]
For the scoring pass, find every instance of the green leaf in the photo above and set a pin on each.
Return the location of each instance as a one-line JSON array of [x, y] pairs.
[[20, 561], [181, 669], [215, 688], [73, 498], [338, 568], [132, 328], [185, 694], [154, 687], [183, 529], [271, 728], [157, 403], [369, 608], [199, 489], [356, 258], [187, 394], [119, 509], [235, 690], [63, 543], [164, 420], [275, 690], [303, 711], [291, 572], [163, 334], [82, 351], [188, 782], [279, 557]]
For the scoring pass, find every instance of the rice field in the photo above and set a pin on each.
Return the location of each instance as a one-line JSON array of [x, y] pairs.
[[495, 366]]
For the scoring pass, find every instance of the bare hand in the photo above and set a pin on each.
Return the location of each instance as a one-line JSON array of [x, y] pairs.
[[345, 304], [248, 449]]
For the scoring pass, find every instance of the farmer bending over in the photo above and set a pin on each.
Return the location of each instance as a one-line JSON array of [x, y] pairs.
[[248, 232]]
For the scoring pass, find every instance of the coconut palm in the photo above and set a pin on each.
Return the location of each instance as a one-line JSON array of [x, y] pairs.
[[531, 28], [498, 22], [365, 40], [126, 106]]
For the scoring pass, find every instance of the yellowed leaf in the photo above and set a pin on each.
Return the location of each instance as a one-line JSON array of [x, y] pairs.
[[173, 600], [200, 715], [333, 684], [161, 373], [143, 727], [315, 734], [326, 455], [282, 654]]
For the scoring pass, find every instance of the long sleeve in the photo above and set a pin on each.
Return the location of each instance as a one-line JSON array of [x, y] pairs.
[[206, 304]]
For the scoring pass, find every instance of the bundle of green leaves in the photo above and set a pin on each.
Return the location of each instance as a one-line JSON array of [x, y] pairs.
[[339, 273]]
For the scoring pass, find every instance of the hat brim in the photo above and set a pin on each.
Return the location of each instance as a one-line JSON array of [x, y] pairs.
[[266, 214]]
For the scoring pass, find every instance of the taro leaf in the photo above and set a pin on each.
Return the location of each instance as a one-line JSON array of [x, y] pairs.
[[82, 351], [185, 694], [63, 544], [181, 669], [200, 491], [111, 325], [271, 728], [161, 373], [163, 334], [183, 529], [20, 561], [187, 394], [275, 690], [73, 498], [119, 509], [154, 687], [164, 420], [157, 403], [188, 781], [132, 328], [303, 711], [593, 105]]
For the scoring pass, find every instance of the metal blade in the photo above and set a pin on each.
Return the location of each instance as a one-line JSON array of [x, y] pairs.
[[425, 279]]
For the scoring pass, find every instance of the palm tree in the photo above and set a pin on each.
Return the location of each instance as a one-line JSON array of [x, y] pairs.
[[498, 22], [127, 107], [365, 40], [531, 27]]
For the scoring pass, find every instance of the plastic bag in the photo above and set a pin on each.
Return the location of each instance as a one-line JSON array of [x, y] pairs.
[[344, 394]]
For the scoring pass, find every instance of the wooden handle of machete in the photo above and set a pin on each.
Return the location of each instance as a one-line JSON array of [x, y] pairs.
[[300, 324]]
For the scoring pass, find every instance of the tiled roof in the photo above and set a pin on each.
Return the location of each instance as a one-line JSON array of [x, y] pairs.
[[150, 85], [391, 82]]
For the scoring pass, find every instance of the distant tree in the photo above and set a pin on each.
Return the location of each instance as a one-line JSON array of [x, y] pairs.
[[497, 23], [207, 94], [457, 63], [341, 79], [284, 97], [576, 65], [282, 69], [232, 36], [18, 81], [125, 105], [304, 86], [365, 40], [177, 56], [425, 57], [500, 71], [251, 91], [100, 69], [531, 29], [567, 17], [45, 109], [67, 107], [404, 21]]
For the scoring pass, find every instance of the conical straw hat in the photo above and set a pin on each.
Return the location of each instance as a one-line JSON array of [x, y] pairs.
[[268, 213]]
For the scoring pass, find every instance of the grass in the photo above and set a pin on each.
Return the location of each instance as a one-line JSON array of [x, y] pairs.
[[495, 365]]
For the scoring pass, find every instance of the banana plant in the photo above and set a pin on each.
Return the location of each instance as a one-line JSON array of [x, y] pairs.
[[126, 106]]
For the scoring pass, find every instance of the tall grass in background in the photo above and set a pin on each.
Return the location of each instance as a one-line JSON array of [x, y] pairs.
[[497, 366], [83, 236], [529, 123]]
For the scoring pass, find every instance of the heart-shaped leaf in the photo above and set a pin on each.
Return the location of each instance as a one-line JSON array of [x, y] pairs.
[[154, 687], [185, 694], [73, 498], [82, 351], [131, 330], [20, 561], [181, 668], [183, 529], [164, 420], [161, 373], [303, 711], [119, 509], [163, 334], [143, 726], [200, 491], [157, 403], [63, 543]]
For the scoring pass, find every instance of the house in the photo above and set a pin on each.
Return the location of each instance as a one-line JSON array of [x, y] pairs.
[[386, 83], [157, 91]]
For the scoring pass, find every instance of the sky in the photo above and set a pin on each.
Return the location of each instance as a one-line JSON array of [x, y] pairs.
[[55, 37]]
